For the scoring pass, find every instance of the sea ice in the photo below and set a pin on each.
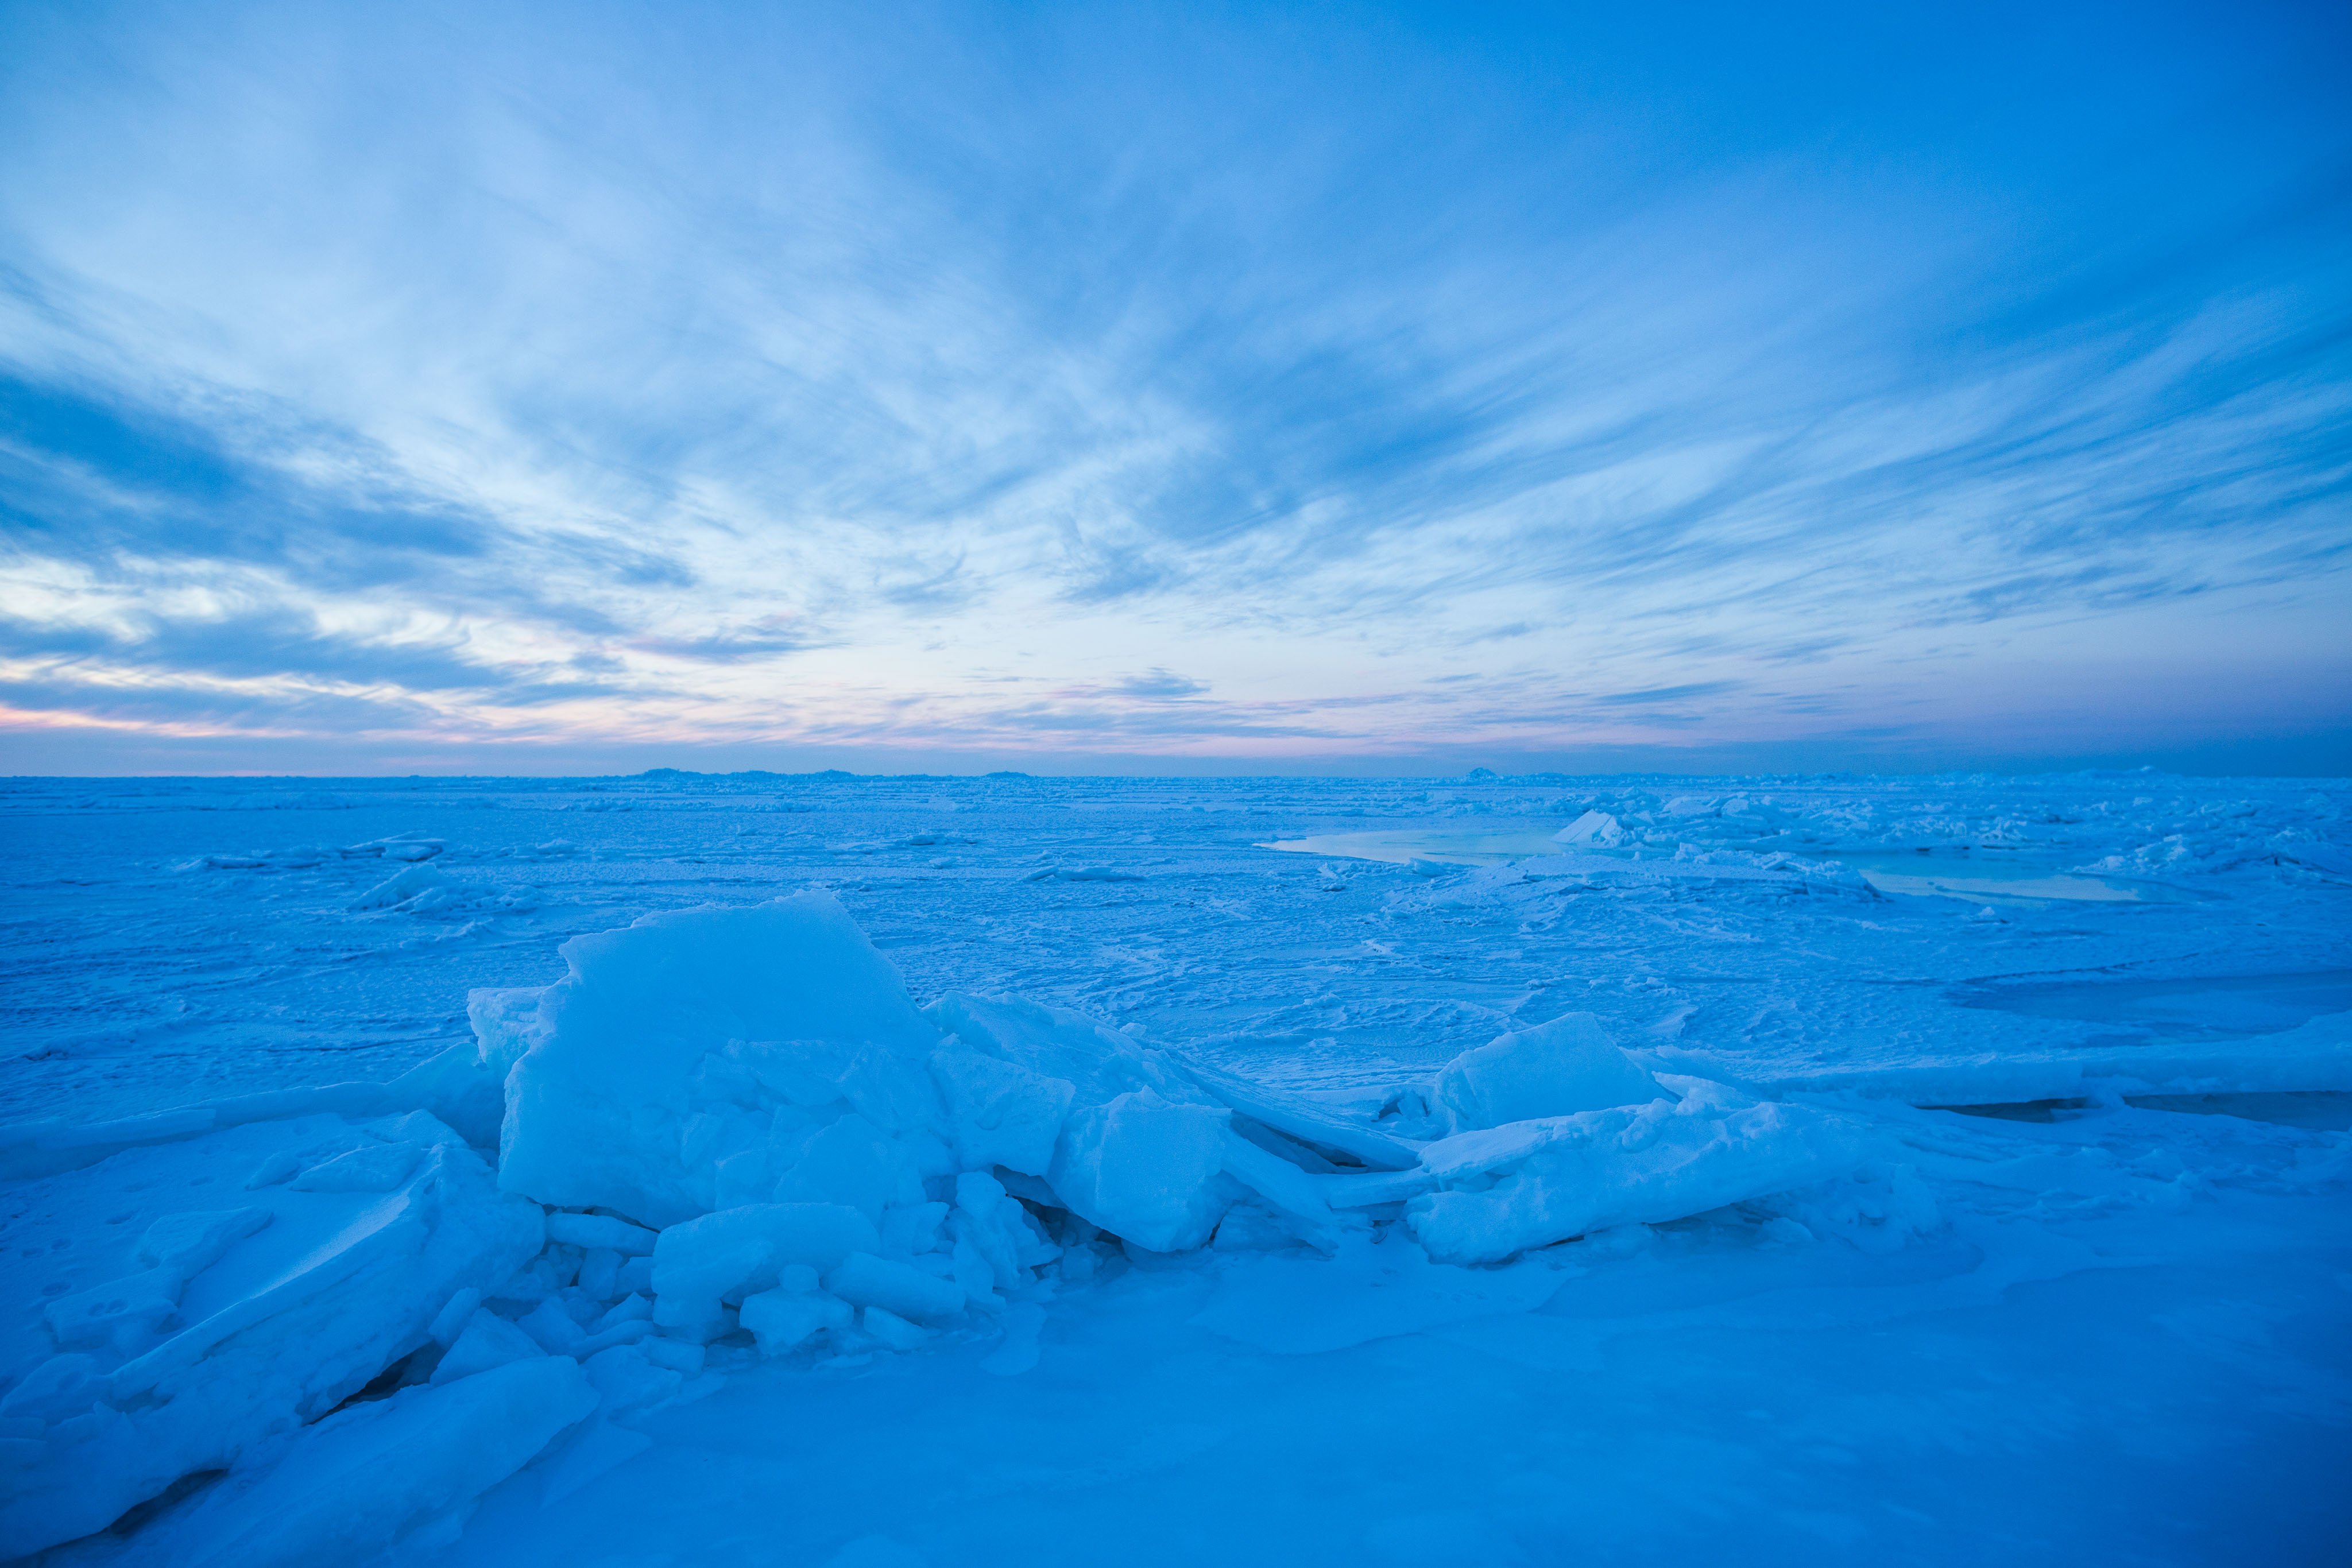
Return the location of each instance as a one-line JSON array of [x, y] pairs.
[[355, 1482], [247, 1321], [738, 1170], [1528, 1183], [1555, 1069], [632, 1092]]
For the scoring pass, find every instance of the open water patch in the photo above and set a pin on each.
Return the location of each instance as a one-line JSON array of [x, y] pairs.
[[2002, 880], [2315, 1110], [2209, 1006]]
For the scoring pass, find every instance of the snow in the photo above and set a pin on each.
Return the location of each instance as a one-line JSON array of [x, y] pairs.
[[1555, 1069], [364, 1476], [1633, 1169]]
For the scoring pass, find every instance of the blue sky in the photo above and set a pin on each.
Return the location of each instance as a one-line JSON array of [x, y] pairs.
[[522, 389]]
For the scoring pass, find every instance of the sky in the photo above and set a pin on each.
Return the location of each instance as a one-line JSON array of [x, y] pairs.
[[586, 388]]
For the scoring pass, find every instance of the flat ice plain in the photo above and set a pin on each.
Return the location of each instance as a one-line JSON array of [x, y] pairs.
[[1986, 1145]]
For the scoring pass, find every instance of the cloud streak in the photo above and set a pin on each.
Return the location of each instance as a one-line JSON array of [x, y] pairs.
[[439, 380]]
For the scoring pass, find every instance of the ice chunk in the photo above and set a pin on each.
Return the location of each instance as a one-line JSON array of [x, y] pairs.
[[188, 1244], [461, 1089], [487, 1341], [420, 1127], [818, 1235], [1147, 1170], [1303, 1121], [551, 1326], [275, 1329], [592, 1230], [636, 1307], [866, 1281], [892, 1090], [627, 1378], [1529, 1183], [127, 1314], [891, 1329], [1552, 1069], [677, 1356], [599, 1273], [1287, 1190], [1100, 1064], [359, 1480], [31, 1149], [405, 886], [851, 1163], [701, 1264], [996, 1242], [506, 1024], [1592, 827], [694, 1303], [451, 1321], [1006, 1230], [599, 1106], [914, 1228], [1064, 1047], [783, 1319], [1000, 1113]]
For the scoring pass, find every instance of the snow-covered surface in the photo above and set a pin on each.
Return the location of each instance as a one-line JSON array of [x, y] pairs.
[[771, 1169]]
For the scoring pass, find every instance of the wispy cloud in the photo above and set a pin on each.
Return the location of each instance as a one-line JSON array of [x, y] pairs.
[[762, 378]]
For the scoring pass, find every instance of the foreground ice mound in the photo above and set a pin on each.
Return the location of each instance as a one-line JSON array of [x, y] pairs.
[[757, 1085], [651, 1053], [727, 1127]]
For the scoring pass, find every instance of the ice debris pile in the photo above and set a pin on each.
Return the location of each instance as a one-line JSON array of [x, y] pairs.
[[175, 1309], [727, 1126]]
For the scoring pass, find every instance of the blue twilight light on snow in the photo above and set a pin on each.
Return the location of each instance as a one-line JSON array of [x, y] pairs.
[[697, 1163]]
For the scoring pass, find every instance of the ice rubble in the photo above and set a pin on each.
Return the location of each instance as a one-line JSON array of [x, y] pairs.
[[1553, 1069], [720, 1123], [1498, 1191], [147, 1338]]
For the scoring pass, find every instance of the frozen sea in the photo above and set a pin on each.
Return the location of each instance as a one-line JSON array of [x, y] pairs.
[[2079, 1288]]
